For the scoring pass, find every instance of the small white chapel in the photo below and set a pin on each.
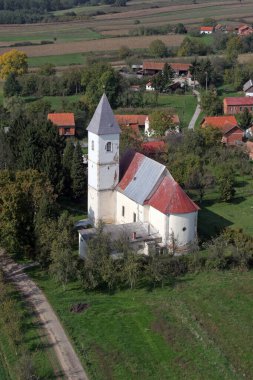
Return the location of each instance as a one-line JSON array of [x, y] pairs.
[[136, 197]]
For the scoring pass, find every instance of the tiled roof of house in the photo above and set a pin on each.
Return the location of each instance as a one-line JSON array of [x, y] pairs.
[[154, 146], [206, 28], [103, 121], [224, 123], [149, 182], [177, 66], [62, 119], [240, 101], [131, 119]]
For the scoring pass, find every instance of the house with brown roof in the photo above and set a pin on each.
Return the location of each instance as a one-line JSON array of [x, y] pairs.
[[206, 29], [233, 106], [153, 67], [65, 123], [232, 134], [136, 122], [245, 30]]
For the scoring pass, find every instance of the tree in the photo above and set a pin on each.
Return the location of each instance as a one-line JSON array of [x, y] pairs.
[[163, 79], [226, 185], [210, 103], [158, 48], [131, 269], [11, 86], [180, 28], [67, 163], [47, 69], [245, 119], [14, 61], [160, 122], [234, 46], [78, 176], [124, 52]]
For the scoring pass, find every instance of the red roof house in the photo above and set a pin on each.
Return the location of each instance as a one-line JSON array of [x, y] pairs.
[[232, 106], [65, 123], [151, 148], [136, 122], [231, 132], [245, 30], [206, 29]]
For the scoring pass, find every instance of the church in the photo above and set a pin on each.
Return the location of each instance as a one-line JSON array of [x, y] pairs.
[[136, 197]]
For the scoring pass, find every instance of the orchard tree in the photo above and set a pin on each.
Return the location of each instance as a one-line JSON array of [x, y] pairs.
[[234, 46], [11, 86], [160, 122], [158, 48], [210, 103], [14, 61]]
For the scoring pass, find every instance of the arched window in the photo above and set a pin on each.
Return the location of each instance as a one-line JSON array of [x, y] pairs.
[[108, 147], [92, 145]]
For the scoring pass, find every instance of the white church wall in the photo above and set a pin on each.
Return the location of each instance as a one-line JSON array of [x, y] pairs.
[[126, 215], [158, 221], [101, 205], [184, 227]]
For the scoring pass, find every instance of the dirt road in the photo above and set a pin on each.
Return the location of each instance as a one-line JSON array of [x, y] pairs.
[[71, 366]]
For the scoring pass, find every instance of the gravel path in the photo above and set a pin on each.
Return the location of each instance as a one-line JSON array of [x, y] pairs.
[[71, 366], [197, 111]]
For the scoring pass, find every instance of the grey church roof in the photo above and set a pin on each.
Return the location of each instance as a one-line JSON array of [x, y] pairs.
[[103, 121]]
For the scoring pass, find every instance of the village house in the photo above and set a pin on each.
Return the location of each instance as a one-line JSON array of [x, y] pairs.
[[245, 30], [232, 134], [206, 29], [248, 88], [154, 148], [144, 202], [136, 122], [233, 106], [140, 124], [65, 123], [152, 68]]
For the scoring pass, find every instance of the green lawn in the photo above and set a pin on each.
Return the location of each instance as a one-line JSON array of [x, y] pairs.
[[183, 105], [63, 34], [58, 60], [33, 341], [201, 328], [215, 215]]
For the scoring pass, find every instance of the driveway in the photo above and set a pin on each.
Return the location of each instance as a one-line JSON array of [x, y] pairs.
[[69, 361], [197, 111]]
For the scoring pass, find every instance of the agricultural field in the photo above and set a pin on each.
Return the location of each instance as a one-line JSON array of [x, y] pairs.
[[85, 35], [199, 326]]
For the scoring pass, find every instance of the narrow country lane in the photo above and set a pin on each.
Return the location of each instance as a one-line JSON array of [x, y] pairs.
[[68, 360], [197, 111]]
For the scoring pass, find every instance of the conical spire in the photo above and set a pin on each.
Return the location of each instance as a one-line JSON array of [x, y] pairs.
[[103, 121]]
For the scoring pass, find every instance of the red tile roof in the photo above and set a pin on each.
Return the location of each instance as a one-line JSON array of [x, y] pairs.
[[206, 28], [62, 119], [154, 146], [242, 101], [131, 170], [151, 65], [170, 198], [224, 123], [131, 119]]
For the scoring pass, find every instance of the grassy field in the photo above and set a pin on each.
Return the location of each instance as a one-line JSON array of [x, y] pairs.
[[58, 60], [183, 105], [215, 215], [33, 341], [199, 328]]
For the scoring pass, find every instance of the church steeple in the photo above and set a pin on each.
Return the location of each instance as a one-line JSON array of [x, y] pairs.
[[103, 121], [103, 163]]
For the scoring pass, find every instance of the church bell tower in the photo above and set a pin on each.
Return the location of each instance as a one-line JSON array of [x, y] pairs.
[[103, 163]]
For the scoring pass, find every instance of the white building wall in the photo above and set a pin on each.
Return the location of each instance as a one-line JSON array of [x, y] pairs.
[[184, 227], [101, 205], [159, 221], [103, 166], [249, 93], [130, 207]]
